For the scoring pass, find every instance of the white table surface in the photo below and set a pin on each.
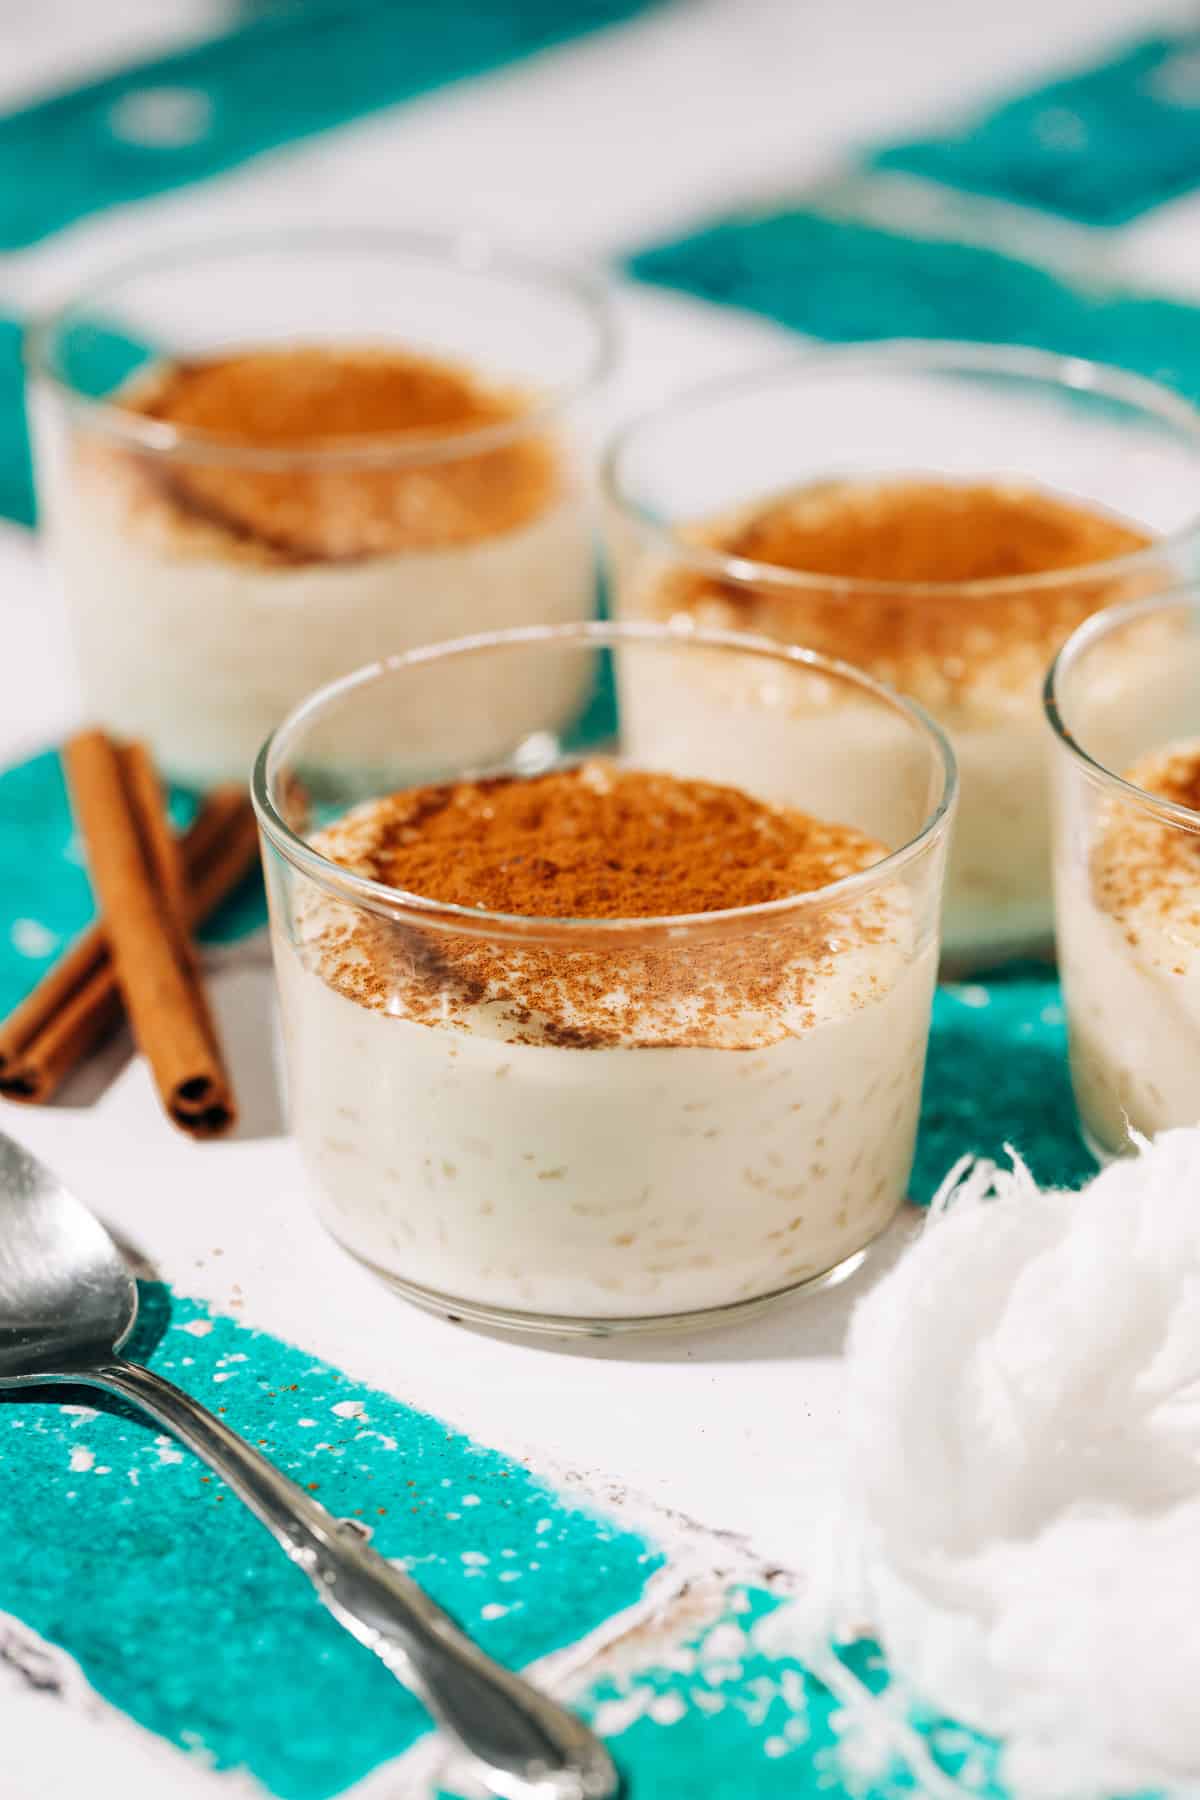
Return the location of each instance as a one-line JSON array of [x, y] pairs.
[[657, 124]]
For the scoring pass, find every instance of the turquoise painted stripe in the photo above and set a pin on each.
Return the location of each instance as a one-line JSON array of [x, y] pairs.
[[186, 117], [16, 468], [725, 1716], [842, 281], [997, 1075], [1103, 145], [181, 1611]]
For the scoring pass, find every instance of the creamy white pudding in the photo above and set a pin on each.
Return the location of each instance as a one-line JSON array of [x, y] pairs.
[[933, 588], [1129, 949], [642, 1124], [210, 589]]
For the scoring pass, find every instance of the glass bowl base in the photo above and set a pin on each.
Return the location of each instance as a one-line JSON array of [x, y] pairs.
[[535, 1324]]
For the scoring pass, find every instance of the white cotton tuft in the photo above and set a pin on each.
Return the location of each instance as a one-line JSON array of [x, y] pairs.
[[1019, 1520]]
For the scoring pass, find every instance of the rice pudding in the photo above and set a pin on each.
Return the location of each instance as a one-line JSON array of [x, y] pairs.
[[624, 1124], [297, 529], [1129, 947], [932, 587]]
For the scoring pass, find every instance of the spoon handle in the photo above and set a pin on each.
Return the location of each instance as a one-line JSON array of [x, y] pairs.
[[525, 1745]]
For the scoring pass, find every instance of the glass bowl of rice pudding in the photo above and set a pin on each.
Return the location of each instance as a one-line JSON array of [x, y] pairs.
[[586, 1041], [1123, 699], [263, 462], [941, 515]]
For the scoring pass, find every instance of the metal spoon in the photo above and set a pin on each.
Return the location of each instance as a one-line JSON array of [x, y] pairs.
[[67, 1305]]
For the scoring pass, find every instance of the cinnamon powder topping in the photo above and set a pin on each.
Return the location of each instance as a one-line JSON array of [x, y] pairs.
[[938, 643], [313, 399], [1173, 775], [918, 531], [1145, 869], [599, 842]]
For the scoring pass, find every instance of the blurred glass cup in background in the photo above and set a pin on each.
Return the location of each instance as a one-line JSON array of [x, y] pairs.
[[263, 462], [943, 515]]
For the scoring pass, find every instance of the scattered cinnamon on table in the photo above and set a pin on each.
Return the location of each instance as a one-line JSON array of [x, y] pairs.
[[151, 890]]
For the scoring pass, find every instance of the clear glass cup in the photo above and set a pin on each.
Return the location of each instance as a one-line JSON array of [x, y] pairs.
[[973, 652], [231, 530], [691, 1113], [1121, 700]]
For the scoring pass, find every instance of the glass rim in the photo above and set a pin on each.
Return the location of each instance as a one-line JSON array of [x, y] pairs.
[[1084, 638], [419, 909], [1079, 374], [467, 252]]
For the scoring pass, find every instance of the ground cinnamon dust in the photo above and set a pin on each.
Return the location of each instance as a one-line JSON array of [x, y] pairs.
[[1146, 865], [293, 400], [938, 640], [1173, 775], [931, 532], [601, 842], [598, 842]]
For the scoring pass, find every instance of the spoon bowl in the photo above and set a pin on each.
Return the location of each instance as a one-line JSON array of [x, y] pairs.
[[66, 1295]]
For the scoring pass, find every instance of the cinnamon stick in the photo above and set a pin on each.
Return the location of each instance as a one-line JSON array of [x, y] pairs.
[[193, 1099], [77, 1004], [120, 815], [71, 1010], [158, 840]]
